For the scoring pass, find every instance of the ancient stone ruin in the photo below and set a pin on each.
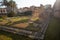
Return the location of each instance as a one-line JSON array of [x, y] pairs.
[[56, 8]]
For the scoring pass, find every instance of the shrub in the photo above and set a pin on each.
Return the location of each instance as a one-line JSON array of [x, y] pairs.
[[24, 20], [11, 14], [3, 16]]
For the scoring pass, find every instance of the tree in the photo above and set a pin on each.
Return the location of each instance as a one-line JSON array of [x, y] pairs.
[[11, 14], [11, 6]]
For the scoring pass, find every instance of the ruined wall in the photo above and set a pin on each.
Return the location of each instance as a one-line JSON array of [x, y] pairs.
[[57, 8], [37, 12]]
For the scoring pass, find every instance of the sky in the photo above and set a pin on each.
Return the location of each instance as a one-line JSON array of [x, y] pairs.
[[28, 3]]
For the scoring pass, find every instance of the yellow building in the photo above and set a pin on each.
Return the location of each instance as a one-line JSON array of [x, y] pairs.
[[37, 12]]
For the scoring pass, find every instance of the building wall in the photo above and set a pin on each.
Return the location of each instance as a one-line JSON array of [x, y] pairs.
[[38, 11], [57, 8], [3, 11]]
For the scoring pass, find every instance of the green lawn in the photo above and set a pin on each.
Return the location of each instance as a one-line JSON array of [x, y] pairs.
[[53, 31], [10, 36], [12, 20]]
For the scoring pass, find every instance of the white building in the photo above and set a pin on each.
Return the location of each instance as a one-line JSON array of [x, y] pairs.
[[3, 11]]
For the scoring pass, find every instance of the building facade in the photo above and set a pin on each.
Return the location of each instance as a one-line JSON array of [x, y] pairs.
[[3, 11], [57, 8]]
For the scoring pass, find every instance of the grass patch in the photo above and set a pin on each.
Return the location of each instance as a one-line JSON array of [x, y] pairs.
[[53, 30], [31, 27], [35, 19], [9, 36], [15, 19], [11, 20]]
